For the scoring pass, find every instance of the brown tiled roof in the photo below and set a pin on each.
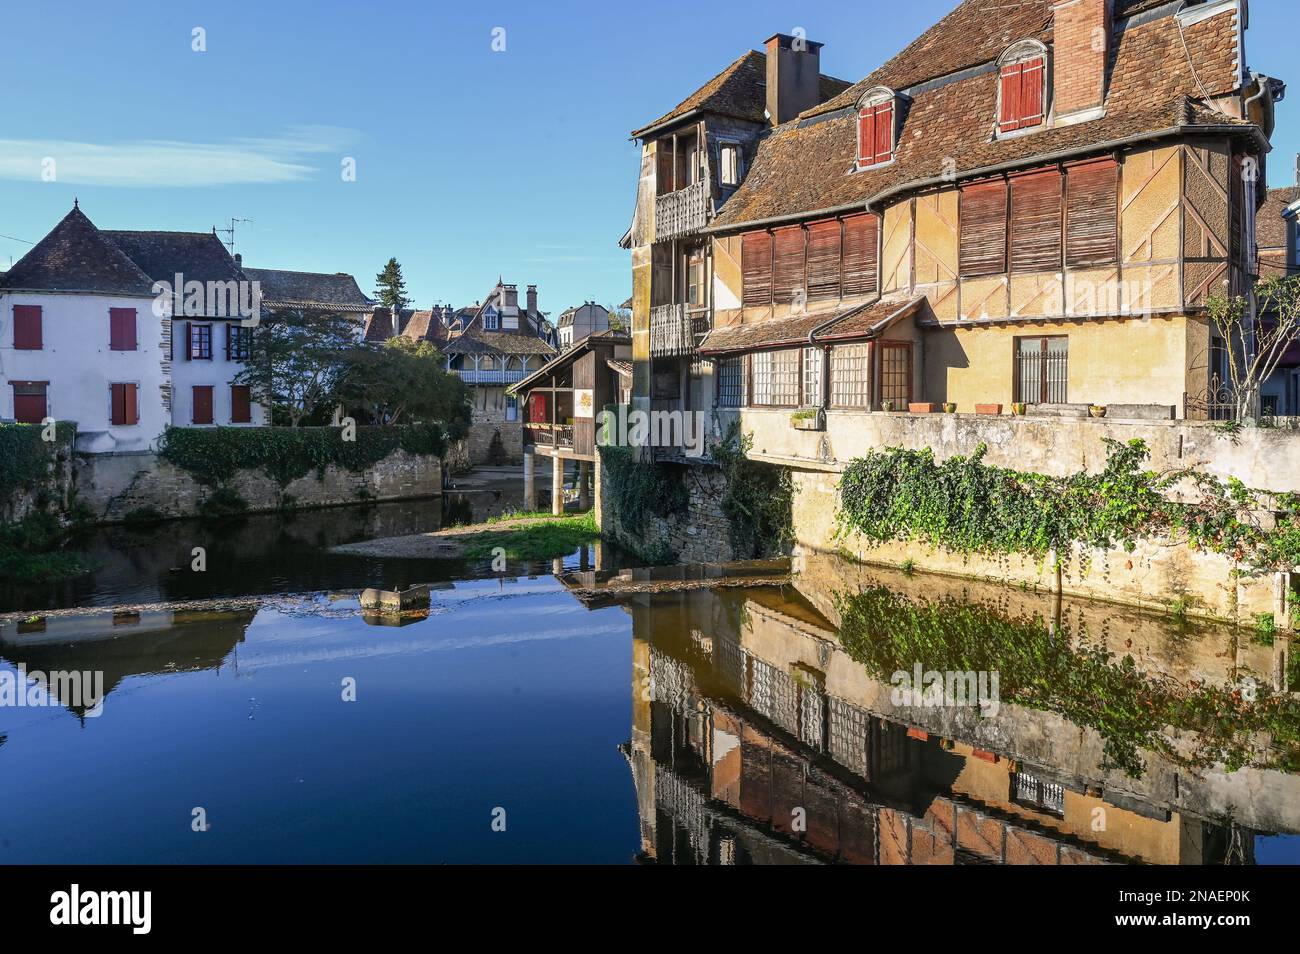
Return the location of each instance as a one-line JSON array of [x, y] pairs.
[[872, 320], [622, 368], [379, 325], [739, 91], [859, 321], [1270, 227], [804, 166], [198, 256], [76, 256], [314, 291], [479, 341]]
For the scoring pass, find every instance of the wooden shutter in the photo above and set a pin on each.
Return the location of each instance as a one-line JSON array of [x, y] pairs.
[[125, 405], [241, 405], [1092, 213], [189, 344], [756, 267], [29, 402], [884, 149], [27, 328], [860, 258], [132, 404], [1009, 115], [1031, 92], [787, 264], [984, 228], [824, 260], [1036, 222], [664, 172], [203, 404], [229, 332], [866, 136], [122, 329]]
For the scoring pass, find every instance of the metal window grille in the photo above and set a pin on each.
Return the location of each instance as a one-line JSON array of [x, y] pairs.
[[896, 372], [1042, 370], [776, 377], [850, 376], [812, 377], [849, 727], [731, 382]]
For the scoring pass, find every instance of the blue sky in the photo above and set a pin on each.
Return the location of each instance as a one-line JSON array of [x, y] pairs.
[[469, 163]]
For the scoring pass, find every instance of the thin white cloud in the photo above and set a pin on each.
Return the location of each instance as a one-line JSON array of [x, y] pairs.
[[163, 163]]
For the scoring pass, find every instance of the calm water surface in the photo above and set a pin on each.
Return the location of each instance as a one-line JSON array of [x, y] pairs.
[[726, 725]]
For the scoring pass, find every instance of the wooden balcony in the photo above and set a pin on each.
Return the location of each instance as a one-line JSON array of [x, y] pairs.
[[672, 332], [683, 212]]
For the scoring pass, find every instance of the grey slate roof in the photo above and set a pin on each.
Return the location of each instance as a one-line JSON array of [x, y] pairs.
[[76, 256], [314, 291], [198, 256]]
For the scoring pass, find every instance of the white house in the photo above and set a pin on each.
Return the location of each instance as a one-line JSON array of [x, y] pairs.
[[580, 321], [87, 335]]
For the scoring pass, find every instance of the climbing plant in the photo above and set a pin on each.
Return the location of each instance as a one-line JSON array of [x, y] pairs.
[[25, 456], [212, 455], [757, 500], [639, 488], [966, 506]]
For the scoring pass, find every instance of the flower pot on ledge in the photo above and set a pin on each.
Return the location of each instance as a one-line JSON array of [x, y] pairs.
[[810, 420], [988, 408], [949, 407], [1097, 410], [921, 407]]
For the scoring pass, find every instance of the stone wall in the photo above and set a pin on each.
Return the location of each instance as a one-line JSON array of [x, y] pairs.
[[113, 485], [699, 534], [457, 459], [54, 489], [480, 441]]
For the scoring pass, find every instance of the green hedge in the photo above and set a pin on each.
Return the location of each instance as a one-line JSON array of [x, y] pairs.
[[25, 457], [212, 455]]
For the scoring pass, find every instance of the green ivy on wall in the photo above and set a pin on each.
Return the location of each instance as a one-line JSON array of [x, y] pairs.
[[25, 457], [212, 455], [758, 500], [637, 489], [966, 506]]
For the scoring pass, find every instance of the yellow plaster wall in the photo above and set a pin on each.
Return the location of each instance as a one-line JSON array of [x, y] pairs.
[[896, 248], [1150, 192]]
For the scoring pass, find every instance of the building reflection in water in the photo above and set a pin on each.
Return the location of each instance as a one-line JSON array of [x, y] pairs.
[[755, 739]]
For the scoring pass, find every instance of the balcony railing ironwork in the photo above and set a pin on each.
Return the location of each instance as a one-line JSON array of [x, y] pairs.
[[682, 212], [492, 376]]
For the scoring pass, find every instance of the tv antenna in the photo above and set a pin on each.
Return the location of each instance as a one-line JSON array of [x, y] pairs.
[[230, 242]]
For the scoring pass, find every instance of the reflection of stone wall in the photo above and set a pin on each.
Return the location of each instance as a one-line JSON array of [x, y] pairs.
[[113, 485]]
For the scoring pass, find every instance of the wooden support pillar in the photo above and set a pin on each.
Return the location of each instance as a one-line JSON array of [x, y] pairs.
[[557, 486], [530, 479], [584, 485]]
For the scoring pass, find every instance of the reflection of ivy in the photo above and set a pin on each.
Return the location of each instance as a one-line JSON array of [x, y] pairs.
[[213, 454], [1086, 685], [966, 506]]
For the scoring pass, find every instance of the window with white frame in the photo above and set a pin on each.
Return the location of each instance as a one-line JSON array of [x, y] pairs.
[[812, 377], [776, 377], [729, 164], [850, 376], [1022, 87], [731, 382]]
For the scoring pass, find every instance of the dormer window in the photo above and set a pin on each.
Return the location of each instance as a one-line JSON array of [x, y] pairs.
[[877, 123], [1022, 85]]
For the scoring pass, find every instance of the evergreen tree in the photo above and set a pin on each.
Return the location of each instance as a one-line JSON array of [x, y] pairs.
[[390, 289]]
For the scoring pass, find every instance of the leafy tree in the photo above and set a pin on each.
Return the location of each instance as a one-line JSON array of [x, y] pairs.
[[297, 359], [390, 289], [620, 319], [403, 379], [1256, 340]]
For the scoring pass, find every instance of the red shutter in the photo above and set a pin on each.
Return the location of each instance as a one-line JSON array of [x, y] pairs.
[[884, 132], [824, 260], [29, 402], [1031, 93], [756, 267], [241, 405], [1036, 222], [122, 329], [27, 327], [860, 259], [788, 264], [984, 228], [1009, 117], [203, 404], [866, 136], [132, 405], [125, 406], [1092, 213], [117, 404]]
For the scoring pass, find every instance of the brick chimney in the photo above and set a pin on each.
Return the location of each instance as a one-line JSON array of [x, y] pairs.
[[794, 66], [532, 298], [510, 296], [1081, 36]]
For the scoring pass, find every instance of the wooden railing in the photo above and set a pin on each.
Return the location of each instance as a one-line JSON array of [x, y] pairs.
[[672, 331], [491, 376], [682, 212], [549, 435]]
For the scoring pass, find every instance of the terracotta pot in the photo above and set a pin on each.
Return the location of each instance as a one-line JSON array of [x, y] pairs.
[[918, 407], [988, 408]]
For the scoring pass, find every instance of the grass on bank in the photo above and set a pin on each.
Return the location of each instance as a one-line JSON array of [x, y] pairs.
[[545, 538]]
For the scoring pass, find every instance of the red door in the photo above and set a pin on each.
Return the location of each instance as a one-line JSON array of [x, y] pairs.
[[203, 404], [29, 402]]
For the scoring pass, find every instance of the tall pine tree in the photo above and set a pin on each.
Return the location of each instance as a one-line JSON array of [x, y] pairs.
[[390, 289]]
